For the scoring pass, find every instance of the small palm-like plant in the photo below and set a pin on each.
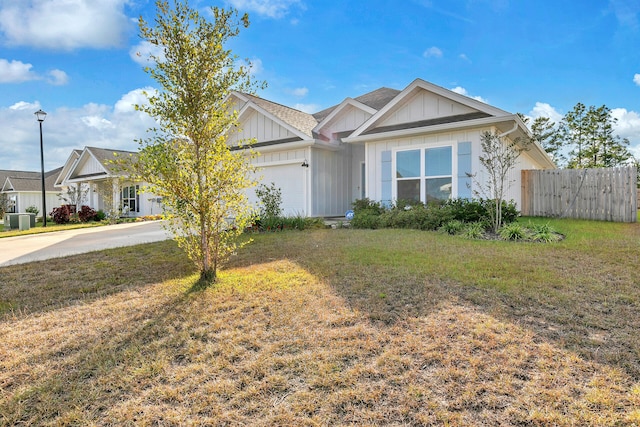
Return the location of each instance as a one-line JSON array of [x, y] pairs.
[[514, 231], [474, 230]]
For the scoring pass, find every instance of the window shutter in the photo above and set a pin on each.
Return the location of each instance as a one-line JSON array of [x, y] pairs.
[[464, 167], [387, 178]]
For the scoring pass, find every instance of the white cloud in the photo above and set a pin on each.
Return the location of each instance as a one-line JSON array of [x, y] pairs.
[[462, 91], [270, 8], [464, 57], [16, 72], [25, 106], [432, 52], [64, 24], [143, 51], [300, 92], [542, 109], [127, 102], [636, 79], [109, 126], [58, 78], [628, 126]]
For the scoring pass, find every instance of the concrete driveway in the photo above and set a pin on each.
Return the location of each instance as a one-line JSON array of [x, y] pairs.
[[37, 247]]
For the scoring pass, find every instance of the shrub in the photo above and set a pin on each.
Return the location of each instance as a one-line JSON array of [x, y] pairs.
[[100, 215], [61, 215], [452, 227], [474, 230], [270, 200], [513, 231], [32, 209], [476, 210], [366, 214], [86, 214], [543, 233]]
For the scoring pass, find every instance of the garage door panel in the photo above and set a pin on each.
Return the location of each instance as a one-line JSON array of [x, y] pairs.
[[291, 181]]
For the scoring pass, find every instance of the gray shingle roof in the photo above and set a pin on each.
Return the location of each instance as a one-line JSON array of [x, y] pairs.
[[300, 120], [107, 156], [375, 99], [31, 181]]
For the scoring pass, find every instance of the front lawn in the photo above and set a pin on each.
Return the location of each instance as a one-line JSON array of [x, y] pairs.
[[331, 327]]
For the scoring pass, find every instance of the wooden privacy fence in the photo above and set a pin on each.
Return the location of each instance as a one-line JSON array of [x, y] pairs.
[[607, 194]]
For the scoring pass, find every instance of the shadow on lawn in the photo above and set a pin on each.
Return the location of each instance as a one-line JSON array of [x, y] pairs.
[[577, 299], [48, 285]]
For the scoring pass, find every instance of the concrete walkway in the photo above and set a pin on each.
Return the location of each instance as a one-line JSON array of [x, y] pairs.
[[37, 247]]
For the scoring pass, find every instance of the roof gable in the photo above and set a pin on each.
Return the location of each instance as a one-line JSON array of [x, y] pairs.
[[269, 122], [347, 116], [96, 163], [422, 104]]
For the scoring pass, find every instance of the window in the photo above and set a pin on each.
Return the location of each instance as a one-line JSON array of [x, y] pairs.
[[130, 199], [424, 174]]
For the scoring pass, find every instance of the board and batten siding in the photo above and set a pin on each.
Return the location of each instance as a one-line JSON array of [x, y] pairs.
[[260, 127], [348, 120], [425, 105]]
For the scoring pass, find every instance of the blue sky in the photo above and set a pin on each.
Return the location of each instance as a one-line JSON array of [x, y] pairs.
[[76, 60]]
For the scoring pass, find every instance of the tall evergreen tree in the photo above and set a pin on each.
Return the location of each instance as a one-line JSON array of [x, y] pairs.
[[546, 133]]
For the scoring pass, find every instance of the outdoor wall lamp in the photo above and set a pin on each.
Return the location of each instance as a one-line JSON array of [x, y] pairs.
[[305, 164], [41, 115]]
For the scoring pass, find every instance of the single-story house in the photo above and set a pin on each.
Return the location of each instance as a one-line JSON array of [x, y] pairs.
[[103, 185], [24, 189], [419, 143]]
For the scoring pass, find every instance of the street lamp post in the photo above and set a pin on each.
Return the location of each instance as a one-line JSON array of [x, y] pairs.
[[41, 116]]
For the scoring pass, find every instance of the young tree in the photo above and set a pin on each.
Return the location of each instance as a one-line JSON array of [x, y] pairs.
[[188, 162], [499, 156]]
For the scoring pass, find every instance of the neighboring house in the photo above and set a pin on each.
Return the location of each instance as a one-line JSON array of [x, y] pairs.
[[104, 185], [24, 189], [419, 143]]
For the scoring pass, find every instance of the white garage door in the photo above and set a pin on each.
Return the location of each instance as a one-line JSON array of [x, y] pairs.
[[290, 178]]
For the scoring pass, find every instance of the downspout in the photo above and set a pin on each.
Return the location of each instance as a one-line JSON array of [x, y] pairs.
[[515, 127]]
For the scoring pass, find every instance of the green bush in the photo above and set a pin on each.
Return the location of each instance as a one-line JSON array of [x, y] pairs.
[[32, 209], [270, 200], [453, 227], [100, 215], [543, 233], [514, 231], [474, 230]]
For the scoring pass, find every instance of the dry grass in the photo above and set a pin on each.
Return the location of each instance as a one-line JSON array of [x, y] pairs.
[[337, 327]]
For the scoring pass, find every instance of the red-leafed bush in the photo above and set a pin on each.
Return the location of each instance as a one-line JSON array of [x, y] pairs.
[[61, 215], [86, 214]]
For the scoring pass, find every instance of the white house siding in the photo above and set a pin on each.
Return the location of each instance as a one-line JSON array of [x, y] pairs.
[[425, 105], [26, 199], [347, 120], [258, 126], [331, 181], [284, 169], [89, 166]]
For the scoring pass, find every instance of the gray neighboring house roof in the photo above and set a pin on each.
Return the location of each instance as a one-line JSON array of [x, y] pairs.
[[28, 181], [106, 157]]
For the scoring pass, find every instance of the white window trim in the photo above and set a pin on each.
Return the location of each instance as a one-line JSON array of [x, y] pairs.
[[422, 147]]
